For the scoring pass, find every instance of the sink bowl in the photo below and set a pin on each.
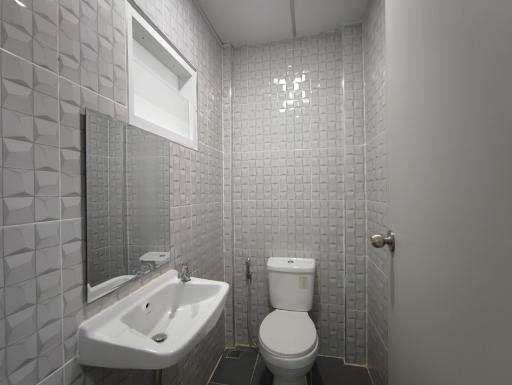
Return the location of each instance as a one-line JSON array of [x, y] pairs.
[[153, 327]]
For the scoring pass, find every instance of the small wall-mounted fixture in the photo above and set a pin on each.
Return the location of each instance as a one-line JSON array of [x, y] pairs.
[[162, 86]]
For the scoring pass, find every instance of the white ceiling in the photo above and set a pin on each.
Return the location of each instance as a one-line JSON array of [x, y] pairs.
[[260, 21], [315, 16]]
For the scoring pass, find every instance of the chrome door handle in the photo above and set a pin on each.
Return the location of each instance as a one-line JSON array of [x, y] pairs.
[[379, 240]]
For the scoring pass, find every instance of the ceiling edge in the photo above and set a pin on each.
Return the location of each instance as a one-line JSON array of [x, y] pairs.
[[207, 20], [292, 15]]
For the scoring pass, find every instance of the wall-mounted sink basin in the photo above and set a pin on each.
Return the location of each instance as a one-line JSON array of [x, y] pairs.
[[155, 326]]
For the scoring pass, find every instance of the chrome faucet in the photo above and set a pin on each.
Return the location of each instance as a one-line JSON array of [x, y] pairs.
[[184, 273]]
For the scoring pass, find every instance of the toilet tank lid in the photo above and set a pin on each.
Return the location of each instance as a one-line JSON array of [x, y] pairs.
[[291, 265]]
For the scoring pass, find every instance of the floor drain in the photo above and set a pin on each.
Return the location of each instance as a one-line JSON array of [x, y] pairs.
[[160, 337], [232, 354]]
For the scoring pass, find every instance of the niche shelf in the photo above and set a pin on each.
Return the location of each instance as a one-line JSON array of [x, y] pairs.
[[162, 85]]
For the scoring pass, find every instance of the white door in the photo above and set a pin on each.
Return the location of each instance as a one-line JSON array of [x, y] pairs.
[[449, 119]]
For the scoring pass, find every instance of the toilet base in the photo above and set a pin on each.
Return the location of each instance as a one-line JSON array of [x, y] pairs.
[[280, 380], [289, 370]]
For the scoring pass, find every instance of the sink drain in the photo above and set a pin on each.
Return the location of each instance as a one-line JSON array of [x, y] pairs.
[[160, 337]]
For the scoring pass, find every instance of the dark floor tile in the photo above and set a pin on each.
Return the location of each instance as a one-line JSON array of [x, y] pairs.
[[250, 369], [263, 376], [332, 371], [236, 371]]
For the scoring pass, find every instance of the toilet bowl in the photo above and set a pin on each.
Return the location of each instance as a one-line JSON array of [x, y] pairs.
[[287, 337], [289, 346]]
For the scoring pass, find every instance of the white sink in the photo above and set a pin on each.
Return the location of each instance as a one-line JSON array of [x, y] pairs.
[[121, 336]]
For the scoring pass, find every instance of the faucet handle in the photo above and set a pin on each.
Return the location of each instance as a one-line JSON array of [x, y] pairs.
[[183, 269], [184, 273]]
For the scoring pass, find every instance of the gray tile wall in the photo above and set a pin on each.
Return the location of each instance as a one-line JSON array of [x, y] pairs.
[[377, 192], [42, 208], [354, 195], [57, 58], [298, 178]]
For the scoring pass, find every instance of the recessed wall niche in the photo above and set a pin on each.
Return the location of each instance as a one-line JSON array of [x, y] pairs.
[[162, 85]]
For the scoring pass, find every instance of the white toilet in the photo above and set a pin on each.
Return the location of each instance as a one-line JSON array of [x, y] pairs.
[[288, 340]]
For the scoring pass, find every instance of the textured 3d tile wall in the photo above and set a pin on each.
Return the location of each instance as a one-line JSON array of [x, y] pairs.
[[57, 58], [297, 174], [377, 193]]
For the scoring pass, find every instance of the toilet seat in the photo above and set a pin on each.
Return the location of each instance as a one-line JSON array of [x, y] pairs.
[[288, 334]]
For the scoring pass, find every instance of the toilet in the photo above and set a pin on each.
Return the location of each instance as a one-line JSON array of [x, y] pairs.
[[287, 338]]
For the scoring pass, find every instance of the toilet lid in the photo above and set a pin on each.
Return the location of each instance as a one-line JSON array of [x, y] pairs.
[[288, 333]]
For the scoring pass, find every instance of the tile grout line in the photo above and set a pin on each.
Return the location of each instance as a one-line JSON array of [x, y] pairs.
[[219, 360], [64, 369], [254, 368], [343, 129], [365, 171], [63, 352], [381, 339]]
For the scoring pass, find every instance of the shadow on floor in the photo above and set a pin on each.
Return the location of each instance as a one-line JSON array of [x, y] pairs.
[[249, 369]]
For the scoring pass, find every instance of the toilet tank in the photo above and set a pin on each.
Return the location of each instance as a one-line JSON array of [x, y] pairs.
[[291, 283]]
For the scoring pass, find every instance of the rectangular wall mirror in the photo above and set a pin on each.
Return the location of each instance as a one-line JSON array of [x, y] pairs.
[[127, 203]]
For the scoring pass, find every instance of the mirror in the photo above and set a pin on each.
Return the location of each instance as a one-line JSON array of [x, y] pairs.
[[127, 203]]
